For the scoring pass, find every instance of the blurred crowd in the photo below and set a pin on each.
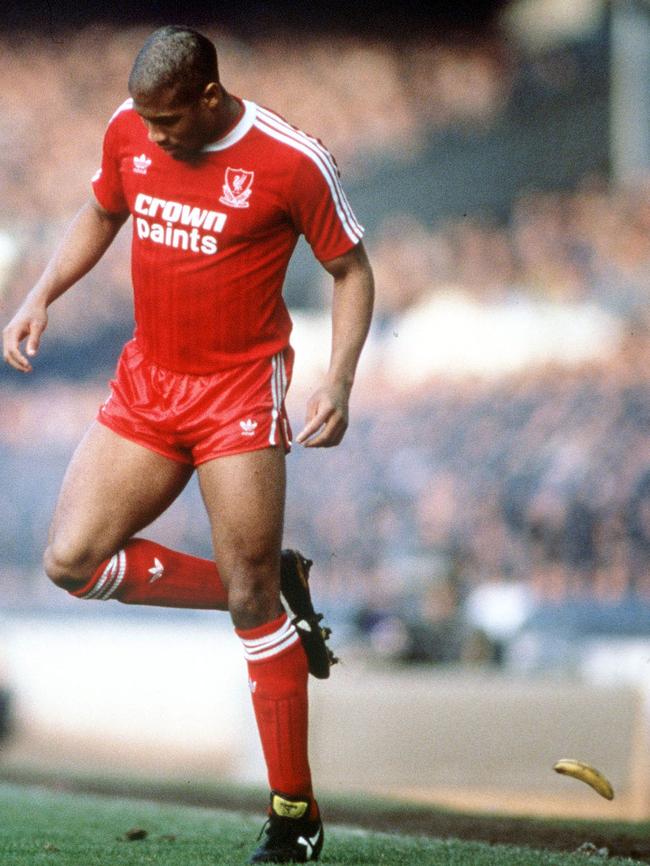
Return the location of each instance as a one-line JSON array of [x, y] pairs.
[[590, 244], [456, 503], [536, 486]]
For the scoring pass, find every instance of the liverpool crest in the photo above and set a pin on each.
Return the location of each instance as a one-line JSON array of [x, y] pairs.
[[237, 187]]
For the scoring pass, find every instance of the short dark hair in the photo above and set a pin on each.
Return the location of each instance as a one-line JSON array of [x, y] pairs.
[[175, 57]]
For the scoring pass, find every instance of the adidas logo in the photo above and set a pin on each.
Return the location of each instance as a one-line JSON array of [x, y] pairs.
[[248, 427], [157, 571], [141, 164]]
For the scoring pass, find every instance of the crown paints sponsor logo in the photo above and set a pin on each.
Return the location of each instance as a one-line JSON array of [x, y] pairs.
[[178, 225]]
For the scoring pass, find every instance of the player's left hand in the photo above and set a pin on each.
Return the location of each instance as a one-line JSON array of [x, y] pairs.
[[327, 417]]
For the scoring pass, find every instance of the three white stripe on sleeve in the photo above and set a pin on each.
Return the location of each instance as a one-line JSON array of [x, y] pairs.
[[279, 129]]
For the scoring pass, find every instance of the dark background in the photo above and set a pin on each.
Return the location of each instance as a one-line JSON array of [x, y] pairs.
[[256, 16]]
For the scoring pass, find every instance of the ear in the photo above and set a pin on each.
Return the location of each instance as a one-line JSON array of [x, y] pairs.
[[212, 94]]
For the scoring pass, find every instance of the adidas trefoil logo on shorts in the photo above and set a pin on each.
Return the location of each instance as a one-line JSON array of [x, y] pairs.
[[248, 427], [157, 571]]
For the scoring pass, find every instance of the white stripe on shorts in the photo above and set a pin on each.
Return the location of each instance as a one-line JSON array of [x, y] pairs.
[[278, 392]]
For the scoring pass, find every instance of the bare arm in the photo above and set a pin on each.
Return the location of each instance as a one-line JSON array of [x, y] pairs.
[[327, 409], [88, 237]]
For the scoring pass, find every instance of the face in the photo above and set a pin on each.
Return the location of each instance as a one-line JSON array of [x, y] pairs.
[[181, 130]]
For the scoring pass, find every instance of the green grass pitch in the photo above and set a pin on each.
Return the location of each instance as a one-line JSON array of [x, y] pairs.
[[40, 826]]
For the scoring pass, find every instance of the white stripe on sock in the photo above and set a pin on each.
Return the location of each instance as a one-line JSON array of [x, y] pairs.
[[111, 589], [274, 651], [106, 575], [110, 578], [267, 646], [268, 639]]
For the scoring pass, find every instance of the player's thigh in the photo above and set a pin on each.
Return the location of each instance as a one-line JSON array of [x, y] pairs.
[[244, 495], [112, 489]]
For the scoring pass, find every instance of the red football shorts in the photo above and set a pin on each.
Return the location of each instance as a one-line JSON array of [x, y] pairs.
[[193, 419]]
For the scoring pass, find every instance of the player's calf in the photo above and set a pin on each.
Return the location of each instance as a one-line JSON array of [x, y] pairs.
[[141, 572]]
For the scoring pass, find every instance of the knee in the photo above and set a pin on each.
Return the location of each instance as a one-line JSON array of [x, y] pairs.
[[254, 593], [67, 566]]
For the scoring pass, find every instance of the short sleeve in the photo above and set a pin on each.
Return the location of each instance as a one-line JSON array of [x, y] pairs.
[[107, 181], [320, 209]]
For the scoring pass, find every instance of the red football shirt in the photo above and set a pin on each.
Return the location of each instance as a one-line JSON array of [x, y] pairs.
[[212, 240]]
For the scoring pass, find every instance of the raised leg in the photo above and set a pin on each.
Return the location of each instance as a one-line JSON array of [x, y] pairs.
[[114, 488]]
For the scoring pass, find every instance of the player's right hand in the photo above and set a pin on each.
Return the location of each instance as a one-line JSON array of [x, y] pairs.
[[28, 323]]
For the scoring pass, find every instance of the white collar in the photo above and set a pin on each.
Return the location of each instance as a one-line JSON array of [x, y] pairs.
[[238, 131]]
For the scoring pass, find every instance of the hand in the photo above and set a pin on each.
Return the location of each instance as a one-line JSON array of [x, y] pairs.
[[29, 322], [327, 417]]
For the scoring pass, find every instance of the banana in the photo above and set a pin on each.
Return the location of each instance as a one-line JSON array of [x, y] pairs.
[[586, 773]]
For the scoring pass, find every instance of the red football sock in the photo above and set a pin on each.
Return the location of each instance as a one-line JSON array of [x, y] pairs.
[[148, 573], [277, 675]]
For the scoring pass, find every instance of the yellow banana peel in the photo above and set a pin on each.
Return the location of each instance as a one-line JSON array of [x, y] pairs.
[[586, 773]]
